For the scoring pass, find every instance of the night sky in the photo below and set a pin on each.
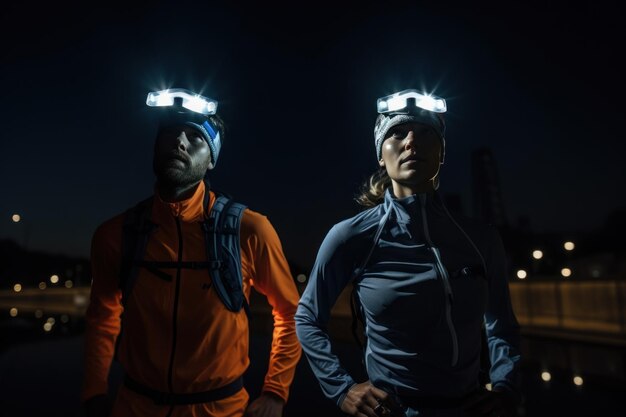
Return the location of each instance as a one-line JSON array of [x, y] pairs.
[[542, 86]]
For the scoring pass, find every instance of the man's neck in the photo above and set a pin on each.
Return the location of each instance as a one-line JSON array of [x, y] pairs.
[[172, 194]]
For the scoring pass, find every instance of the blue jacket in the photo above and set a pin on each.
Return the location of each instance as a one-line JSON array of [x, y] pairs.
[[424, 294]]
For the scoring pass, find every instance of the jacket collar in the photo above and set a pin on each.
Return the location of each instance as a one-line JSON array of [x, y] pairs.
[[401, 210], [189, 210]]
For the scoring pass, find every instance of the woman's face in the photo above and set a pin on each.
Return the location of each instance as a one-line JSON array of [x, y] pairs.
[[411, 154]]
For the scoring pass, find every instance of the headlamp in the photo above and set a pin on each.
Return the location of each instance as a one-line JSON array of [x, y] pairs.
[[185, 108], [180, 97], [409, 106], [401, 102]]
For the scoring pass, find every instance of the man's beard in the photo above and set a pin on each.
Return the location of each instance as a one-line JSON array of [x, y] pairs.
[[171, 177]]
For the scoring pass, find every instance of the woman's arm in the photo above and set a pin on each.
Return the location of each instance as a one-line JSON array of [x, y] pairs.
[[503, 331], [331, 273]]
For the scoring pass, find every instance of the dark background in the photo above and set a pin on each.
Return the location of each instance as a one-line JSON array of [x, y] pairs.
[[540, 85], [297, 83]]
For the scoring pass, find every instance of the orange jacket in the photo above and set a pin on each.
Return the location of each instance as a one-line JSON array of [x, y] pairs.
[[178, 336]]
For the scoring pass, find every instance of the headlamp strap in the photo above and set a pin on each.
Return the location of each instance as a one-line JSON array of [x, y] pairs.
[[209, 129]]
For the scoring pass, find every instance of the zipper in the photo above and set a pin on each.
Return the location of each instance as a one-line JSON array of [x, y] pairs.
[[170, 372], [446, 283]]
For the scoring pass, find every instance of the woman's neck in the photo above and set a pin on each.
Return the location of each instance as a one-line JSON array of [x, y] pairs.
[[405, 190]]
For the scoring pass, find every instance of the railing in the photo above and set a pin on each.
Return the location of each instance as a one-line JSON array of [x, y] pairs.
[[71, 301], [589, 309], [593, 309]]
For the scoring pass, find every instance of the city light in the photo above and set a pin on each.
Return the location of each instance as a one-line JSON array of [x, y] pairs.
[[13, 312], [578, 380], [17, 287], [569, 245], [537, 254], [51, 320], [546, 376], [47, 326], [69, 284], [80, 300], [42, 285], [54, 279], [16, 218], [301, 278], [521, 274], [566, 272]]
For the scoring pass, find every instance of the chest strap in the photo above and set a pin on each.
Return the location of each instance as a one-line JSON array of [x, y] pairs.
[[167, 398]]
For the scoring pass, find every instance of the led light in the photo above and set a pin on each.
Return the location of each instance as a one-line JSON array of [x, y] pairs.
[[189, 100], [399, 101], [521, 274], [566, 272], [569, 245], [537, 254], [545, 375]]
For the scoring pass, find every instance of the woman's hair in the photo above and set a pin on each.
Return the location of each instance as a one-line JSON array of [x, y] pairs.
[[373, 189]]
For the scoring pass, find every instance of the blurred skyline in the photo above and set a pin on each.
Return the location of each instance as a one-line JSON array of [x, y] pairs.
[[540, 86]]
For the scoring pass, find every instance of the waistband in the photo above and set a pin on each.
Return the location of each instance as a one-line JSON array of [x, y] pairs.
[[168, 398]]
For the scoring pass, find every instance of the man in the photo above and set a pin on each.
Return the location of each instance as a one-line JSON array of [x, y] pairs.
[[182, 339]]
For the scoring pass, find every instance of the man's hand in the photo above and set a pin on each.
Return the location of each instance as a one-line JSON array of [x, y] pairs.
[[366, 400], [267, 405], [496, 403], [97, 406]]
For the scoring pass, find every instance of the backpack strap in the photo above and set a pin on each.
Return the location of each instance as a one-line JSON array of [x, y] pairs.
[[135, 235], [485, 361], [357, 312], [221, 233], [355, 305]]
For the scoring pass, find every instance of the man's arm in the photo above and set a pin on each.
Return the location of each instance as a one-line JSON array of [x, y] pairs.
[[103, 314], [271, 277]]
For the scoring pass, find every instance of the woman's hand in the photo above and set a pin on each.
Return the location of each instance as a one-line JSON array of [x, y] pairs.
[[366, 400]]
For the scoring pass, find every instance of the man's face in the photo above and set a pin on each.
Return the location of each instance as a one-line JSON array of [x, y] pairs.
[[181, 156]]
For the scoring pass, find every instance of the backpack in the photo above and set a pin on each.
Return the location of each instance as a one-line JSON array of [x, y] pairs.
[[357, 312], [221, 238]]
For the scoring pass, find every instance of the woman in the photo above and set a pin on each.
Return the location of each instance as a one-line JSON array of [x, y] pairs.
[[426, 284]]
